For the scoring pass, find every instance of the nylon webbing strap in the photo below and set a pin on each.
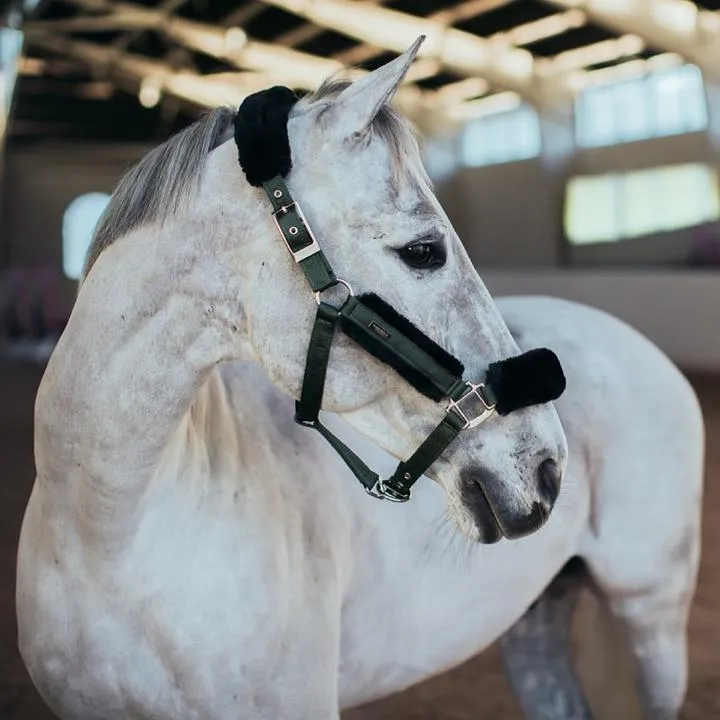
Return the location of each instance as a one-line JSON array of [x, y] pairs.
[[368, 479], [307, 409], [408, 472], [369, 323], [298, 237]]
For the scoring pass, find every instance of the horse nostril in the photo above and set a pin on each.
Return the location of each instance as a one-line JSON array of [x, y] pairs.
[[549, 477]]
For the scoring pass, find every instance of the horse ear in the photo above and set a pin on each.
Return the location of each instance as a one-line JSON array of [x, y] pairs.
[[357, 106]]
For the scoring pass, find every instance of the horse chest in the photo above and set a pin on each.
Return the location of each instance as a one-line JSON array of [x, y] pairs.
[[197, 618], [424, 600]]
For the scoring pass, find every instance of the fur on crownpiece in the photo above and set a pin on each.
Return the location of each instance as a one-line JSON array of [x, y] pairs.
[[261, 134], [529, 379], [375, 346]]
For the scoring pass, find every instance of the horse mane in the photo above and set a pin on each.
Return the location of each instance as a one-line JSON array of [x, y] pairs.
[[157, 186], [160, 182]]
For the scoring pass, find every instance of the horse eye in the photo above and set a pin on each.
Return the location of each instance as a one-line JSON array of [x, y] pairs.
[[419, 254]]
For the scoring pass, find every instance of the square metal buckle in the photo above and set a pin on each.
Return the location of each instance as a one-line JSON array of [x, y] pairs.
[[470, 401], [304, 252]]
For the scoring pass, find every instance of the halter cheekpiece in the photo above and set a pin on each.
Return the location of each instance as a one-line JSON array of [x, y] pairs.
[[531, 378]]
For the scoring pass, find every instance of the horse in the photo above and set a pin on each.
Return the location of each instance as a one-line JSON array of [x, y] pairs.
[[190, 551]]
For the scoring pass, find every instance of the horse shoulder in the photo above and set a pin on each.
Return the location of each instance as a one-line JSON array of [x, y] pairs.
[[639, 427]]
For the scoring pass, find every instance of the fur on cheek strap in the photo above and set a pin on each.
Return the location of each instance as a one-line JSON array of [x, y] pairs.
[[261, 134]]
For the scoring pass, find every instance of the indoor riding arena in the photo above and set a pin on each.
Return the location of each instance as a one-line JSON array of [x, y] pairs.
[[574, 146]]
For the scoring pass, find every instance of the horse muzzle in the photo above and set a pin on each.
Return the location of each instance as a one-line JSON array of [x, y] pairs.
[[495, 512]]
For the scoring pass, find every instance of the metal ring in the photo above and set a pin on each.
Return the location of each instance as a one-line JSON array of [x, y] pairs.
[[278, 193], [339, 282]]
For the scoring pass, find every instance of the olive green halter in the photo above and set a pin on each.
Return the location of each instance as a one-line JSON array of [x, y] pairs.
[[532, 378], [469, 404]]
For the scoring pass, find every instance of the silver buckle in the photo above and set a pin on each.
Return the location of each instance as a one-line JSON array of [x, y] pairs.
[[308, 250], [378, 491], [474, 393]]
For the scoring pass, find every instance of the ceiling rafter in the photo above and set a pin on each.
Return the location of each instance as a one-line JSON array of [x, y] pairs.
[[448, 16], [166, 6], [504, 66], [672, 25], [299, 35], [244, 14], [131, 71], [518, 35], [492, 71], [307, 32], [231, 45], [207, 91]]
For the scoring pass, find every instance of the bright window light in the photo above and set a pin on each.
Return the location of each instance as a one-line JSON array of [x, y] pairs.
[[79, 221], [10, 47], [501, 137], [664, 102], [440, 157], [608, 208]]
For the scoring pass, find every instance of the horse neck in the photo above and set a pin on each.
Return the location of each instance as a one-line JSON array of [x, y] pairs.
[[161, 308]]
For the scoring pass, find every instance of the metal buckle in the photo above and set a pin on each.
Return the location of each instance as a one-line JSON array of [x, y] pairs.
[[304, 252], [381, 492], [474, 392]]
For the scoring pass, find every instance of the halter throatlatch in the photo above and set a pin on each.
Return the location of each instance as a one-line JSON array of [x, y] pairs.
[[531, 378]]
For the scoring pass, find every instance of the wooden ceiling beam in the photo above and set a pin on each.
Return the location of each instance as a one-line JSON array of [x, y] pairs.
[[231, 45], [462, 11], [502, 65], [151, 79], [676, 26]]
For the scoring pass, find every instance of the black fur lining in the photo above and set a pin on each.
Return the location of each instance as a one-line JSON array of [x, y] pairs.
[[377, 348], [261, 134], [529, 379]]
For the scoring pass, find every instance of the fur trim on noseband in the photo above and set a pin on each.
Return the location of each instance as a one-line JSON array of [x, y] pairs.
[[528, 379], [261, 134]]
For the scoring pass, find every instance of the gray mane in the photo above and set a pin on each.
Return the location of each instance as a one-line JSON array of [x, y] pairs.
[[163, 179], [157, 185]]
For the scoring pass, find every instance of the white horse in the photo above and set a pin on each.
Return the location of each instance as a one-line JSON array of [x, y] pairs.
[[190, 552]]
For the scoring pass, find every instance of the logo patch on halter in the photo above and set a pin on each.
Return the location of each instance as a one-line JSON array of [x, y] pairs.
[[379, 330]]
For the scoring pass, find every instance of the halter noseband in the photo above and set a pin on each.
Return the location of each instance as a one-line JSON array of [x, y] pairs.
[[528, 379]]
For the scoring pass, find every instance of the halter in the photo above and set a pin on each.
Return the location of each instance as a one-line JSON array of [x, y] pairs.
[[532, 378]]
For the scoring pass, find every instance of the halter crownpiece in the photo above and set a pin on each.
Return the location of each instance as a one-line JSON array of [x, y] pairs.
[[532, 378]]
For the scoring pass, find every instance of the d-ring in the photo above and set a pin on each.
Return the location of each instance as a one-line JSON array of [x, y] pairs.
[[339, 282]]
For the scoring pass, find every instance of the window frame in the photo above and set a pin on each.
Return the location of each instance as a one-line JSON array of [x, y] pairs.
[[500, 130], [689, 104], [618, 182]]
